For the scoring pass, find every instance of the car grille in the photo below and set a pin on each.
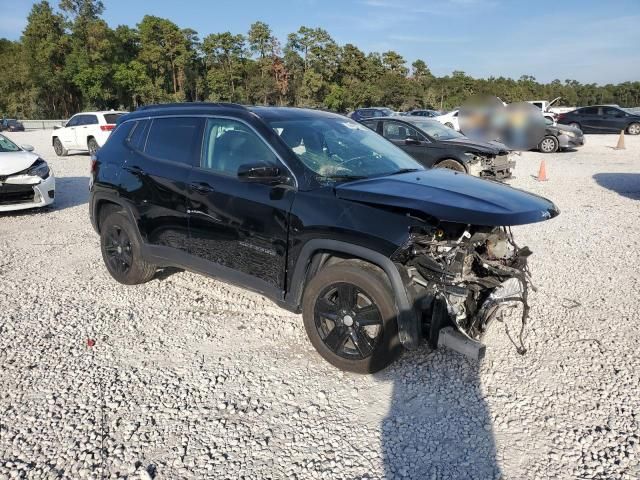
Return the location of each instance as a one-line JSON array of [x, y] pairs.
[[11, 194]]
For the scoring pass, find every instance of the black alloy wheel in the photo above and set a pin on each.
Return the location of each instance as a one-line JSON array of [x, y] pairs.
[[118, 250], [348, 321]]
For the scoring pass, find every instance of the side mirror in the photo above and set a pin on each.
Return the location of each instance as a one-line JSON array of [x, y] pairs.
[[261, 173], [27, 148], [56, 127], [411, 141]]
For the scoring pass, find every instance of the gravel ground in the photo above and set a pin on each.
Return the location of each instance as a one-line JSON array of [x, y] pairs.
[[190, 377]]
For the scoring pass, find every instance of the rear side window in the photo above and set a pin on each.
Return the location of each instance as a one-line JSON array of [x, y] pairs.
[[112, 117], [176, 139], [138, 135]]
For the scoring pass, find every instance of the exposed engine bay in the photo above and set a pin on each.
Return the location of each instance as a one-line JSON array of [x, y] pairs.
[[464, 277]]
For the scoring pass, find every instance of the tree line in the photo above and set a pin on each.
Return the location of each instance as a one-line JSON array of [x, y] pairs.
[[69, 59]]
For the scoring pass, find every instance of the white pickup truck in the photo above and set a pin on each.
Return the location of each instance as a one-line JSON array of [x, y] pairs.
[[547, 111]]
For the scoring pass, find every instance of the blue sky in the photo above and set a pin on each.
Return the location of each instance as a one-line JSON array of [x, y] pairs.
[[587, 40]]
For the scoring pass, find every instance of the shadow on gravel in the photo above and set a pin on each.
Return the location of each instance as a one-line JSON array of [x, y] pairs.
[[438, 425], [625, 184]]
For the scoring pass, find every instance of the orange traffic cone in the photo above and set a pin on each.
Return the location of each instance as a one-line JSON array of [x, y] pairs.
[[542, 173], [620, 145]]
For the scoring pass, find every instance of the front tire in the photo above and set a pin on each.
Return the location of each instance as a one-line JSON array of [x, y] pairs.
[[59, 149], [350, 317], [634, 129], [548, 144], [121, 251], [451, 165]]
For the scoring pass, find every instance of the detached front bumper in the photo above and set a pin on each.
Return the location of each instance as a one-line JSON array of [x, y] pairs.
[[22, 192]]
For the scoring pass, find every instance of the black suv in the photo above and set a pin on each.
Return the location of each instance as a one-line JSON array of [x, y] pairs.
[[319, 214]]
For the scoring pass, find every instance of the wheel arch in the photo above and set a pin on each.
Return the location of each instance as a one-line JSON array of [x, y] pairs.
[[319, 253], [465, 164]]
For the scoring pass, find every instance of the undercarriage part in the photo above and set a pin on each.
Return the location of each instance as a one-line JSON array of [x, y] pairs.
[[472, 349], [471, 274]]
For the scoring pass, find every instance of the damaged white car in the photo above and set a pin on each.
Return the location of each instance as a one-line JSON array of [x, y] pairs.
[[26, 181]]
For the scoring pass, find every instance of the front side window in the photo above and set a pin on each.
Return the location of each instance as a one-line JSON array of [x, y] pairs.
[[338, 149], [229, 144], [399, 131], [176, 139], [73, 122], [613, 112], [435, 129], [7, 145], [90, 120]]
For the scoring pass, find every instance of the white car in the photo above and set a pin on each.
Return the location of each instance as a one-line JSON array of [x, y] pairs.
[[26, 181], [450, 119], [84, 131]]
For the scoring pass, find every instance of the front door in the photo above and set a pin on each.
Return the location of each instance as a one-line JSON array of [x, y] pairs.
[[67, 135], [408, 139], [239, 226]]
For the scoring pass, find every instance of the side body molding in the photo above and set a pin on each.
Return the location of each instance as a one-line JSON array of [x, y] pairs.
[[408, 326]]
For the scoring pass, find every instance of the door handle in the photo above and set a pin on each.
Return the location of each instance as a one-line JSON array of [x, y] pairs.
[[202, 187]]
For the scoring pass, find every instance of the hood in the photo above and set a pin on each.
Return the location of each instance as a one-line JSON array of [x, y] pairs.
[[452, 197], [565, 128], [479, 146], [14, 162]]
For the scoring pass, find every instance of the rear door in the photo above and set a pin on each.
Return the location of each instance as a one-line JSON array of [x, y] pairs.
[[86, 128], [162, 153], [408, 139], [613, 120], [239, 226]]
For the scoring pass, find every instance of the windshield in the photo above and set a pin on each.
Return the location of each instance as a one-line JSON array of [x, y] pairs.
[[7, 145], [435, 129], [632, 110], [341, 149]]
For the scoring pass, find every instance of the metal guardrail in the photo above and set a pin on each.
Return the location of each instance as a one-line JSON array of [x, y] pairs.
[[42, 124]]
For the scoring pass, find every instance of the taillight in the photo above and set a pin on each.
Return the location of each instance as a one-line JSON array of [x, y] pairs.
[[107, 128], [561, 116], [94, 164]]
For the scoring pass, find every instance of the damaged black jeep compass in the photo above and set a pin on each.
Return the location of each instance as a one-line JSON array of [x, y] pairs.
[[318, 213]]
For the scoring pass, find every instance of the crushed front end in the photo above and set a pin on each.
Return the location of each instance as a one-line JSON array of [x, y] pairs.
[[497, 167], [462, 277]]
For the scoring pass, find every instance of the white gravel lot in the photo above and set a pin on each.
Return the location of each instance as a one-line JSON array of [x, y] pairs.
[[193, 378]]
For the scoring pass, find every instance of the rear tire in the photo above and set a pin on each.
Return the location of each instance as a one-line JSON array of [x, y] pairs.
[[121, 251], [548, 144], [350, 317], [634, 129], [59, 149], [92, 146], [450, 164]]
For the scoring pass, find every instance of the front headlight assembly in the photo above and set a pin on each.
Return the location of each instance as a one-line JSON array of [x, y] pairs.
[[568, 134], [40, 169], [472, 157]]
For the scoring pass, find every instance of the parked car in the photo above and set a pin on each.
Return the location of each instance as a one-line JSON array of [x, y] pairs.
[[423, 113], [435, 145], [450, 119], [363, 113], [11, 125], [86, 131], [603, 119], [26, 181], [559, 137], [319, 214]]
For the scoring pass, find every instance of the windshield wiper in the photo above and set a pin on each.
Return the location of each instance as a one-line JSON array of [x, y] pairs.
[[405, 170], [340, 177]]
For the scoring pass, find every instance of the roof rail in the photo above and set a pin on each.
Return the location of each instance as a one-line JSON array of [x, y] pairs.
[[158, 106]]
